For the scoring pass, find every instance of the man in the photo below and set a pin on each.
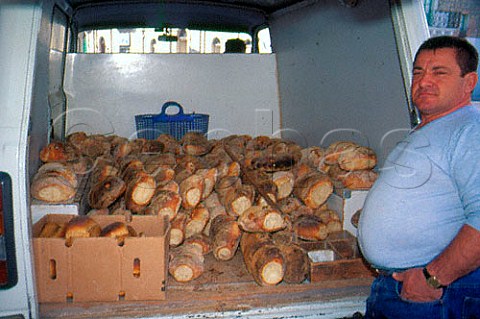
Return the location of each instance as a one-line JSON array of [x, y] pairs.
[[420, 225]]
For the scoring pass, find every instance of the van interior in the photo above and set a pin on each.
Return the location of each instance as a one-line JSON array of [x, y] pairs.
[[309, 71]]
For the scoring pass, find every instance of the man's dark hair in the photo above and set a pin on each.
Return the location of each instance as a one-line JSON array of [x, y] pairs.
[[465, 53]]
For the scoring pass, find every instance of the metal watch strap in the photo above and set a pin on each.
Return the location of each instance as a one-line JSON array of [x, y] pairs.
[[432, 281]]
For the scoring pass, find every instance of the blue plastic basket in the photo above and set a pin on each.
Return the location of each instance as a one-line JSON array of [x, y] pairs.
[[150, 126]]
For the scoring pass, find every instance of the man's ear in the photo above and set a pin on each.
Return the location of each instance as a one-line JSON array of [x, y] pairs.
[[471, 81]]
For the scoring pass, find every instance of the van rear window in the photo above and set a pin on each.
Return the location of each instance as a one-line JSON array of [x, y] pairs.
[[170, 40]]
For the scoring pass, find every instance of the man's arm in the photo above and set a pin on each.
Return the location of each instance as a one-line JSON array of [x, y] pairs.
[[461, 257]]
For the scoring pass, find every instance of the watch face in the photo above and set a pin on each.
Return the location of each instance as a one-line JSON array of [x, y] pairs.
[[433, 282]]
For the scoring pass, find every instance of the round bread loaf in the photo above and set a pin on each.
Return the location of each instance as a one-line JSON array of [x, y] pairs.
[[81, 165], [54, 183], [76, 139], [95, 145], [52, 189], [350, 156], [58, 169], [334, 150], [152, 147], [106, 192], [270, 163], [357, 158], [52, 230], [81, 227], [310, 227], [171, 145], [260, 142], [119, 231], [196, 144], [53, 152], [363, 179]]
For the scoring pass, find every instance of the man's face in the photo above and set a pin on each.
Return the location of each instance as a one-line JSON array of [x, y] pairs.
[[438, 87]]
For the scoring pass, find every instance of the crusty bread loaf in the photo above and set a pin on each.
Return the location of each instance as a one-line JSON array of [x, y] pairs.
[[76, 139], [194, 143], [95, 145], [310, 227], [361, 179], [140, 191], [54, 183], [52, 230], [152, 147], [58, 169], [54, 152], [81, 227], [154, 162], [81, 165], [239, 141], [357, 158], [164, 203], [297, 265], [52, 189], [350, 156], [261, 219], [119, 231], [106, 192], [313, 189], [270, 162], [258, 143], [284, 180], [186, 262], [289, 204], [334, 150], [314, 157], [103, 166], [330, 218], [202, 241], [171, 145]]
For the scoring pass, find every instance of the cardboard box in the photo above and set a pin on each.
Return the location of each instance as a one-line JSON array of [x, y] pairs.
[[98, 269], [337, 257], [346, 203]]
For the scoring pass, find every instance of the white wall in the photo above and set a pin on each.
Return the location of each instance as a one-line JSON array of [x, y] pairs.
[[339, 73], [238, 91]]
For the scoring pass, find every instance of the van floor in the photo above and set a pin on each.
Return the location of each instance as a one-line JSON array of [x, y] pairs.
[[225, 290]]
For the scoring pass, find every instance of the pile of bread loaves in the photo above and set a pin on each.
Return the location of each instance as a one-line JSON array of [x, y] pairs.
[[220, 195], [83, 226]]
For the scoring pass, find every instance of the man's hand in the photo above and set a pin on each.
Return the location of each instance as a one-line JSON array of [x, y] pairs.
[[415, 287]]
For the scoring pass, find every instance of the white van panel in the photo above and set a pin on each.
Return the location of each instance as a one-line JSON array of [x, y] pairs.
[[16, 65], [105, 92]]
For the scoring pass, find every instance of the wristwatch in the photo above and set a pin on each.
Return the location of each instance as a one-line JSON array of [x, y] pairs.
[[432, 281]]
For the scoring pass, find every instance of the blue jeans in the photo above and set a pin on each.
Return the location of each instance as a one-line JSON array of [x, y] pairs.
[[460, 300]]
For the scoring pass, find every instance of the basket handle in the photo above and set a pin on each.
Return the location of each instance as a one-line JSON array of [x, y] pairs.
[[172, 104]]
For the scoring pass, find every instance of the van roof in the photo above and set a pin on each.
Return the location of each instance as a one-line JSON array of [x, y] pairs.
[[267, 6], [230, 15]]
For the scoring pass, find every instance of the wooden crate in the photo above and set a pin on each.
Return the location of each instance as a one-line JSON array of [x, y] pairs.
[[340, 258]]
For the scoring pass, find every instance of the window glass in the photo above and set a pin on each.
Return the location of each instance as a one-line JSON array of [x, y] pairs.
[[455, 17], [167, 40], [59, 31], [56, 65], [264, 44]]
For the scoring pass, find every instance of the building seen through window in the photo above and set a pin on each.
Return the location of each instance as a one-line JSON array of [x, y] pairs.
[[455, 17], [167, 40]]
